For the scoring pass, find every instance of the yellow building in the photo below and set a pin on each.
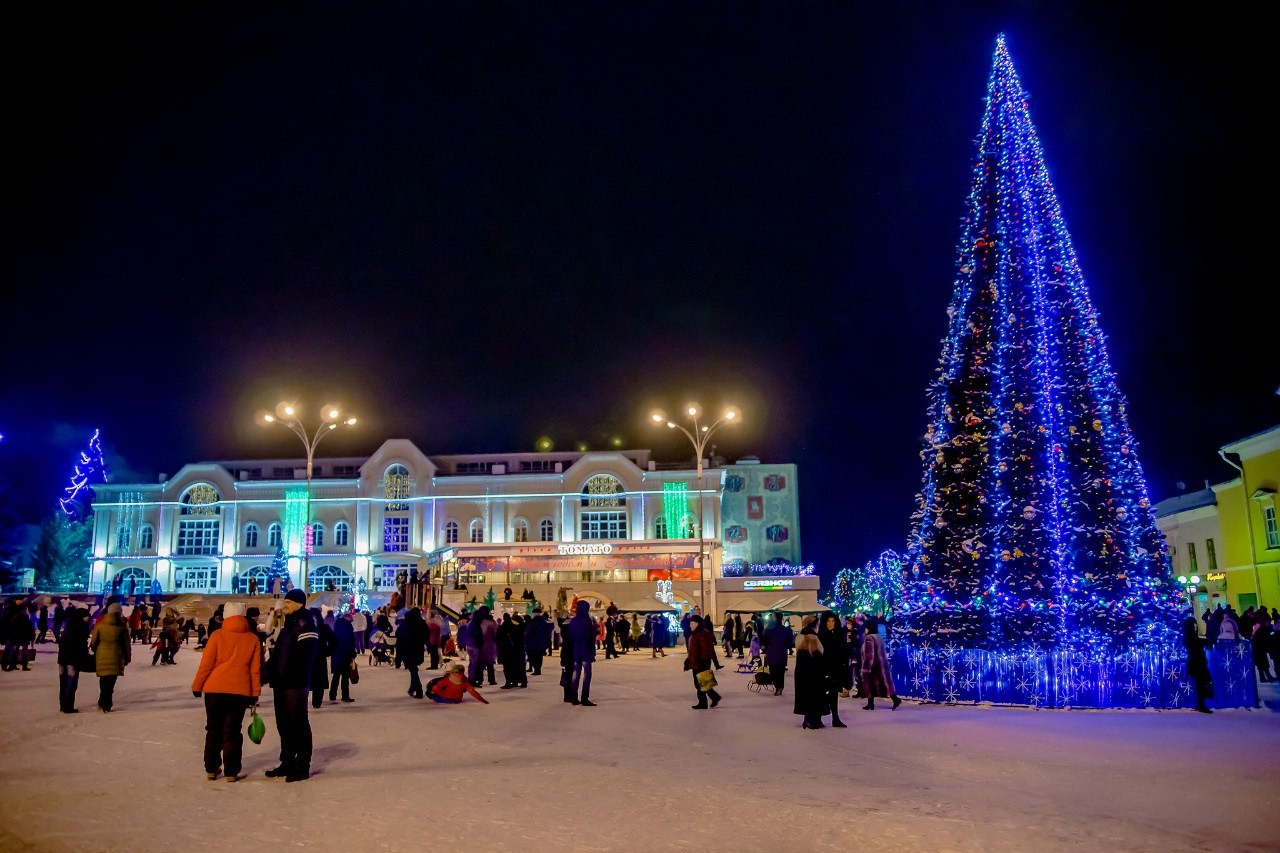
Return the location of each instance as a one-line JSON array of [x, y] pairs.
[[1247, 515]]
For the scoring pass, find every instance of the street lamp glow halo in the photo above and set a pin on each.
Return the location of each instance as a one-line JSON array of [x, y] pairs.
[[693, 410], [351, 421], [285, 411], [331, 412], [264, 418], [1195, 579], [658, 416], [1182, 578], [732, 414]]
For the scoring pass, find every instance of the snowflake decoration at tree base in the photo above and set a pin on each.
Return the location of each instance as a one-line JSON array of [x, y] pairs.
[[1035, 677]]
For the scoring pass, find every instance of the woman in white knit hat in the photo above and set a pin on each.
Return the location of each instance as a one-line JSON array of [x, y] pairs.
[[230, 678]]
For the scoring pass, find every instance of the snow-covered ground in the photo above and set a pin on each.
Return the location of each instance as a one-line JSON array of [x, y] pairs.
[[640, 772]]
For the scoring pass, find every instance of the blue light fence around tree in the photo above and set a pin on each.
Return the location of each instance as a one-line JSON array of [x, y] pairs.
[[1064, 678]]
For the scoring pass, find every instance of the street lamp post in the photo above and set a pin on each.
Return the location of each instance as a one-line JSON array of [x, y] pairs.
[[1191, 585], [699, 437], [287, 414]]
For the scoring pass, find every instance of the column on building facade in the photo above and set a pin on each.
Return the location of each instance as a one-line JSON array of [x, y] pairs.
[[639, 530], [568, 523], [430, 526], [497, 522]]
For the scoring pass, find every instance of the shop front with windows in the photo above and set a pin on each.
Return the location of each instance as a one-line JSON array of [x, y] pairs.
[[634, 576]]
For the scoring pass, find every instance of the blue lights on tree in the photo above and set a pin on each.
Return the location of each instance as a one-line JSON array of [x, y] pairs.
[[1033, 526], [90, 468]]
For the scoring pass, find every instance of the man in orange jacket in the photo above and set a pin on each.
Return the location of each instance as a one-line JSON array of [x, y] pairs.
[[230, 677]]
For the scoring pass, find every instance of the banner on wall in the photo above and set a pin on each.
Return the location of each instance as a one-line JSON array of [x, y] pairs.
[[661, 563]]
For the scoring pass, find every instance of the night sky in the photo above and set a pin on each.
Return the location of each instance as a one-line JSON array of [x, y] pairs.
[[476, 224]]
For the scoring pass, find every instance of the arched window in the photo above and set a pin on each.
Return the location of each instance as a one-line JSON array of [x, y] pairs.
[[450, 532], [200, 499], [688, 527], [317, 535], [146, 537], [241, 585], [520, 530], [198, 531], [660, 527], [122, 539], [396, 487], [273, 534], [328, 577], [251, 535], [131, 581], [604, 502], [604, 491], [547, 530], [340, 534], [477, 530]]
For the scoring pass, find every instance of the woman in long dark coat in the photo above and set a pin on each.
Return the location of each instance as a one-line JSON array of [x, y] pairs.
[[411, 642], [1197, 666], [810, 681], [835, 662]]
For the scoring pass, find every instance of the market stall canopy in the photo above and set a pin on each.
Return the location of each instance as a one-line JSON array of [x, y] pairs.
[[642, 604], [805, 601]]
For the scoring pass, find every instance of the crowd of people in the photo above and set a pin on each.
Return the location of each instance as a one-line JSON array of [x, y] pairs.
[[1254, 624], [300, 653]]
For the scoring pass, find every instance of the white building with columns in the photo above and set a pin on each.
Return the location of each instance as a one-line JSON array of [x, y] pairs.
[[609, 525]]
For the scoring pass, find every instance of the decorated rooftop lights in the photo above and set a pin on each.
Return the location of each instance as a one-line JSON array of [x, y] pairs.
[[1033, 537]]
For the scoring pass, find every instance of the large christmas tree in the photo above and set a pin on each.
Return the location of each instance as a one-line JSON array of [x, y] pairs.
[[1033, 528]]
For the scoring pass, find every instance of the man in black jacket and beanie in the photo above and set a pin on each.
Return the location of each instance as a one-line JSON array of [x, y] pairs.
[[289, 671]]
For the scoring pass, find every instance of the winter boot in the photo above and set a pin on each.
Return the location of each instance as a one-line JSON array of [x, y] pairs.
[[871, 704]]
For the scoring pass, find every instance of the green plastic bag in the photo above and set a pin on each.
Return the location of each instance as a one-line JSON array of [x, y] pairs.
[[257, 728]]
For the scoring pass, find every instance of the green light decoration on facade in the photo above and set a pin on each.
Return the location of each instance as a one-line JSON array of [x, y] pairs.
[[295, 520], [675, 506]]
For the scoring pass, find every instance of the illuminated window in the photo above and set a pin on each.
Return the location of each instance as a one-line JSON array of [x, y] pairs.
[[274, 535], [200, 499], [603, 492], [395, 533], [328, 577], [198, 536], [477, 530], [131, 580], [604, 525], [396, 487], [520, 530], [251, 535], [340, 533]]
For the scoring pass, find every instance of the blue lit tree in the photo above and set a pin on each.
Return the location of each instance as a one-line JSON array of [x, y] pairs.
[[90, 469], [279, 569], [1033, 527], [850, 593]]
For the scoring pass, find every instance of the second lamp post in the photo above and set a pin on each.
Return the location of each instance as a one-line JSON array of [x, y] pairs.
[[699, 437]]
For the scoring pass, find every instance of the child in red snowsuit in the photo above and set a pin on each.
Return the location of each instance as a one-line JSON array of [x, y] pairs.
[[451, 688]]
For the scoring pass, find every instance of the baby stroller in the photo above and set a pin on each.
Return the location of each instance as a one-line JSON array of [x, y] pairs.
[[379, 649]]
